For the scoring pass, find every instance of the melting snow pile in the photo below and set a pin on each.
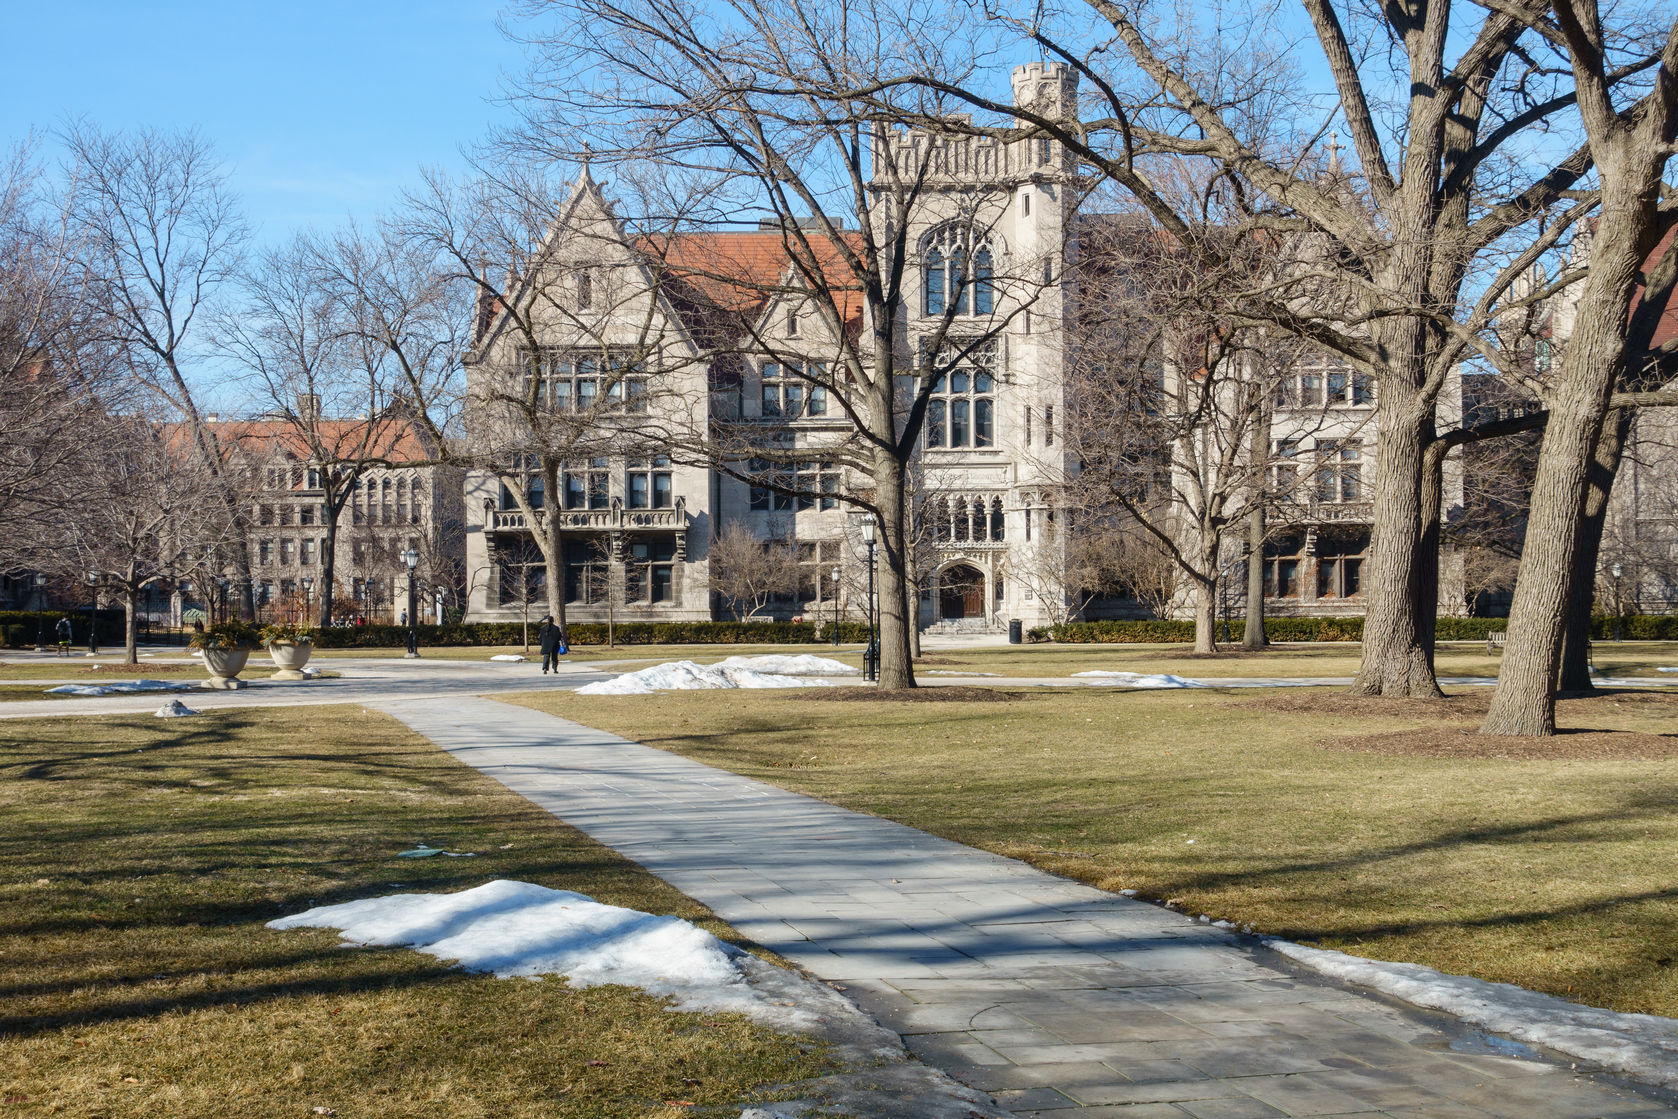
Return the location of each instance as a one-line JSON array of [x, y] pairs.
[[802, 664], [1640, 1045], [174, 709], [1665, 668], [511, 657], [683, 676], [519, 929], [119, 689], [1140, 679]]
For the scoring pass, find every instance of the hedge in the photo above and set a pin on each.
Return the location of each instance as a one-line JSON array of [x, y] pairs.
[[18, 626], [1640, 627]]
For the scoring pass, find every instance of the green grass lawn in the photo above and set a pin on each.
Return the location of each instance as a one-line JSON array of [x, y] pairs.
[[1555, 867], [140, 858]]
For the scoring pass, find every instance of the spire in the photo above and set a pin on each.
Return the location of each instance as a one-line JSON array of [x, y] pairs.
[[1333, 152]]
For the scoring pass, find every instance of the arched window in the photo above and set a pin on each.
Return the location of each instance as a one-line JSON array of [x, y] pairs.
[[934, 282], [958, 271], [996, 519]]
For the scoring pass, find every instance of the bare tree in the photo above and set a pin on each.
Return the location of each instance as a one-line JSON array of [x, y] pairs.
[[56, 375], [159, 234], [157, 514], [754, 111], [334, 410], [1417, 240], [748, 572], [1629, 141]]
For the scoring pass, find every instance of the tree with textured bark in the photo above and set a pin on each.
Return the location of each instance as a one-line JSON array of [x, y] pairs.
[[1630, 141], [159, 234], [774, 116], [1418, 236]]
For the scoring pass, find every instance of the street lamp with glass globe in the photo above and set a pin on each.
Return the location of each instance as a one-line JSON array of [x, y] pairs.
[[40, 605], [93, 613], [411, 558], [871, 655], [1616, 571]]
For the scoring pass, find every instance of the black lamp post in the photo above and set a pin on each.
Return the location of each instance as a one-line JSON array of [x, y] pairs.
[[92, 613], [411, 558], [308, 599], [870, 656], [40, 604], [835, 574], [1616, 571]]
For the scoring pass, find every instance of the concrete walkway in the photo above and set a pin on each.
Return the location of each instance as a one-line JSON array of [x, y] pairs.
[[1061, 1000]]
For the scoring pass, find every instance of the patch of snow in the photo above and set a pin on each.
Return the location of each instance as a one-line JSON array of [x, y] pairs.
[[174, 709], [309, 670], [682, 676], [1141, 679], [519, 929], [801, 664], [1663, 668], [1642, 1046], [119, 689], [423, 851], [511, 658]]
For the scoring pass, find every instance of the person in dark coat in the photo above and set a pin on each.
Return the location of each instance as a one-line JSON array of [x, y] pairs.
[[548, 636]]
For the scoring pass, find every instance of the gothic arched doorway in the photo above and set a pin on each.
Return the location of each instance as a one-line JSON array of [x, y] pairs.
[[961, 592]]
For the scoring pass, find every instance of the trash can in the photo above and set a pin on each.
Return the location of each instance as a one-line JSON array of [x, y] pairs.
[[1016, 632]]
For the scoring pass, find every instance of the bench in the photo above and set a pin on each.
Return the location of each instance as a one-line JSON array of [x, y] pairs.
[[1495, 639]]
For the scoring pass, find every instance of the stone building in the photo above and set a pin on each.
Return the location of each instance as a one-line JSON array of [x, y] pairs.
[[645, 335]]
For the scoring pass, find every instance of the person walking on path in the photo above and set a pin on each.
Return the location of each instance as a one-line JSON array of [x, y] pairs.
[[550, 638], [62, 630]]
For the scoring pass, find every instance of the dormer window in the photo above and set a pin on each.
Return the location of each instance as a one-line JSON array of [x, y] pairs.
[[958, 273], [585, 289], [792, 324]]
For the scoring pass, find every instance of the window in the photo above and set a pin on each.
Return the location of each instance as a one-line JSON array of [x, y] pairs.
[[585, 289], [1025, 203], [1281, 566], [816, 478], [1048, 425], [957, 272], [308, 553], [962, 519], [265, 553], [792, 324], [961, 411], [1339, 472], [786, 394], [1284, 473], [1340, 564], [649, 571], [566, 381], [586, 484], [287, 552], [649, 484], [1326, 383], [765, 496]]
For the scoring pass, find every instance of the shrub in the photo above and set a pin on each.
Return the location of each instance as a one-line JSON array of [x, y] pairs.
[[589, 633], [286, 633], [227, 635], [17, 636]]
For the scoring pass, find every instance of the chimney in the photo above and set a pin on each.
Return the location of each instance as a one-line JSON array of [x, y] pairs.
[[212, 417]]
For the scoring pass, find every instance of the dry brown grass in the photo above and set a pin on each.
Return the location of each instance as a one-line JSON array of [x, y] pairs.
[[139, 860]]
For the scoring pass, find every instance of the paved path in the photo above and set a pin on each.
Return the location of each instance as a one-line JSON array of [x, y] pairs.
[[1062, 1000]]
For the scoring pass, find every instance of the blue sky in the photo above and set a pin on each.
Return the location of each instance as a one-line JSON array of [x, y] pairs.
[[321, 110]]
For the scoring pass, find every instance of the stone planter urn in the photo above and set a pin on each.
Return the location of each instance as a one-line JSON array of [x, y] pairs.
[[224, 666], [289, 659]]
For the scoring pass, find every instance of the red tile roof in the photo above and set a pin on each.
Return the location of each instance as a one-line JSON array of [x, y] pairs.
[[738, 273]]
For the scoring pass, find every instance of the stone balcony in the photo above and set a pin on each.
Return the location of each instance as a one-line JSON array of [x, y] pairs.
[[614, 519]]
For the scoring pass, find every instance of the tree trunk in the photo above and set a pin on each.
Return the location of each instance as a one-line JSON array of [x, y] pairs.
[[1205, 614], [1253, 636], [131, 635], [897, 665], [1258, 454], [329, 565], [911, 611], [1395, 654], [1427, 556], [1576, 639], [1525, 701]]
